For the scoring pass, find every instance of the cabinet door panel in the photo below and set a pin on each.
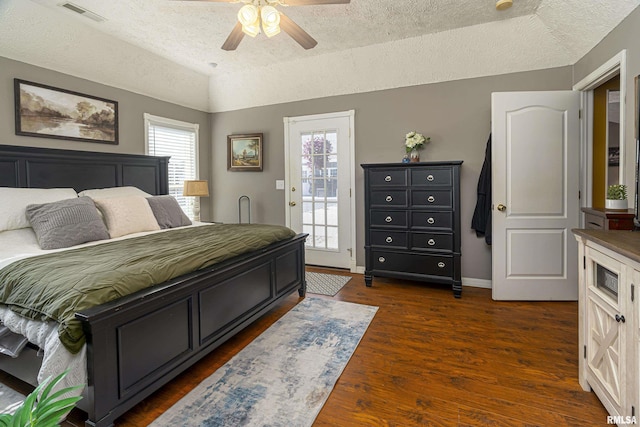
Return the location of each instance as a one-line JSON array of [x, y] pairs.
[[433, 265], [431, 176], [431, 220], [432, 241], [392, 219], [383, 198], [388, 177], [432, 198]]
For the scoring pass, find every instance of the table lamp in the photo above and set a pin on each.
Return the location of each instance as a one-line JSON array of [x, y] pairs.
[[196, 188]]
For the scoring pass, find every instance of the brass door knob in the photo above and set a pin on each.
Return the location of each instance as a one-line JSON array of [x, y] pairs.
[[502, 207], [292, 203]]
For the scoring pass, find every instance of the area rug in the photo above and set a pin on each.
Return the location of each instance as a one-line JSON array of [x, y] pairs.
[[284, 376], [10, 399], [325, 284]]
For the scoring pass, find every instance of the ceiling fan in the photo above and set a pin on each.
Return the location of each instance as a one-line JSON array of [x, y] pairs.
[[256, 12]]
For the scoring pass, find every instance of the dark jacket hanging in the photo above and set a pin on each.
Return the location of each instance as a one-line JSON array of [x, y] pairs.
[[481, 221]]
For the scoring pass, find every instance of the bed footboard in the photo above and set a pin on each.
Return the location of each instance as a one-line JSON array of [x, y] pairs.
[[140, 342]]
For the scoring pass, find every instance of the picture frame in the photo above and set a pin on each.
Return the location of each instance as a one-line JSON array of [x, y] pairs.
[[244, 152], [614, 156], [48, 112]]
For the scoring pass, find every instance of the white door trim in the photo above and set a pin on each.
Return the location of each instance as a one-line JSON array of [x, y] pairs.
[[616, 65], [288, 121]]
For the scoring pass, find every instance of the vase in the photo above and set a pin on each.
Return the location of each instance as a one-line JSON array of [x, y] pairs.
[[414, 155], [617, 205]]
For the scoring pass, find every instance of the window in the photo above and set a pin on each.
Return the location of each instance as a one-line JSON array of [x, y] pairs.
[[179, 140]]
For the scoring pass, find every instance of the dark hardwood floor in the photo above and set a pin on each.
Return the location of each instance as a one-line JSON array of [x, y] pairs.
[[429, 359]]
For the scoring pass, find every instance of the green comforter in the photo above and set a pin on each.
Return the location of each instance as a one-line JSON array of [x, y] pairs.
[[57, 285]]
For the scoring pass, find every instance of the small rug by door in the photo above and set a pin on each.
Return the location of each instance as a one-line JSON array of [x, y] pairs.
[[10, 399], [325, 284], [284, 376]]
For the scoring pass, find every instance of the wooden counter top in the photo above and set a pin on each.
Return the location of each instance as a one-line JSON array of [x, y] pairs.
[[626, 243]]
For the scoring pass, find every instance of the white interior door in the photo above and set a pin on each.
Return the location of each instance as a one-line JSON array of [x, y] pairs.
[[319, 180], [535, 191]]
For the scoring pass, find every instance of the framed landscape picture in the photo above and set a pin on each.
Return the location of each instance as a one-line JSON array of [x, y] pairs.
[[49, 112], [244, 152]]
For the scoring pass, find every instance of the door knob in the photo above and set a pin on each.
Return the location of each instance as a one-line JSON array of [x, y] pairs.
[[502, 207], [292, 203], [620, 318]]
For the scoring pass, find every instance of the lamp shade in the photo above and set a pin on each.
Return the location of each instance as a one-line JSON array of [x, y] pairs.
[[196, 188]]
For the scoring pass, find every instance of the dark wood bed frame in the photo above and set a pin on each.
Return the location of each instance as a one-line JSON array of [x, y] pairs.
[[138, 343]]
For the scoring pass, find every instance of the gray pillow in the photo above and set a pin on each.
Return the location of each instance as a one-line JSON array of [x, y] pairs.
[[66, 223], [168, 212]]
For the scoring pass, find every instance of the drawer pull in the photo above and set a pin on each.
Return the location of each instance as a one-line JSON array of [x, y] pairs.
[[389, 239], [381, 259], [389, 198], [441, 264], [431, 199], [430, 177], [387, 178], [388, 219], [430, 220], [431, 242]]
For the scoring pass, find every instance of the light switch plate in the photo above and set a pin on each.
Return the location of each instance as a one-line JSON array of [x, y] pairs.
[[279, 184]]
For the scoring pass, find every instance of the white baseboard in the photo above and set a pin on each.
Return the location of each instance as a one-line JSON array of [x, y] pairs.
[[476, 283], [466, 281]]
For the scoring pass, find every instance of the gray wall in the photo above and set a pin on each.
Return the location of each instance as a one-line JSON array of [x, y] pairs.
[[131, 107], [456, 115], [624, 36]]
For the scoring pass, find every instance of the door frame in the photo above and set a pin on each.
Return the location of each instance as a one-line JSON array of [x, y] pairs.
[[288, 121], [616, 65]]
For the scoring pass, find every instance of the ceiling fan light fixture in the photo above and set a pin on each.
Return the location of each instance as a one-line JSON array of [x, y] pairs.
[[504, 4], [251, 30], [270, 16], [271, 30], [248, 15]]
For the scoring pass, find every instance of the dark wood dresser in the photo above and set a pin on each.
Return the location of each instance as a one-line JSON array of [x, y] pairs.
[[412, 222]]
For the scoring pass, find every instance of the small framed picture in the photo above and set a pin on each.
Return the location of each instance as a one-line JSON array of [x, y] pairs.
[[244, 152]]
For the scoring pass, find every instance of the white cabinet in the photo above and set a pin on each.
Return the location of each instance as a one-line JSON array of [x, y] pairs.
[[609, 324]]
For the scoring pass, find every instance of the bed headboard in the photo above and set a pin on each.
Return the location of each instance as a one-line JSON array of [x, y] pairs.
[[29, 167]]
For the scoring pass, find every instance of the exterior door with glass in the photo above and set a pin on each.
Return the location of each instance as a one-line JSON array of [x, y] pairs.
[[318, 157]]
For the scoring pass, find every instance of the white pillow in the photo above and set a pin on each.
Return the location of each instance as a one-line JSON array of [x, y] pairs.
[[126, 215], [107, 193], [14, 201]]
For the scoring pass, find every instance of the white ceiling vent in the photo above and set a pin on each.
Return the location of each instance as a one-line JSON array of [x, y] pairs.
[[82, 11]]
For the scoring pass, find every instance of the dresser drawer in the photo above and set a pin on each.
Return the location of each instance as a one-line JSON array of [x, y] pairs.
[[594, 222], [388, 177], [433, 265], [432, 241], [431, 198], [431, 176], [431, 220], [395, 198], [389, 239], [389, 219]]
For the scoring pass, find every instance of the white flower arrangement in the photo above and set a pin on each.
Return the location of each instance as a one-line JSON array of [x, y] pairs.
[[415, 140]]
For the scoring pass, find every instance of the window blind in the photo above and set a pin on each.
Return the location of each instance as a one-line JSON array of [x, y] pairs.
[[179, 141]]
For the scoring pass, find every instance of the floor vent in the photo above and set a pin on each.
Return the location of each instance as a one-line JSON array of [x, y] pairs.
[[82, 11]]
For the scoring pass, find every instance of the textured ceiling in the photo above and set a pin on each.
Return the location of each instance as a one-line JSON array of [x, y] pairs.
[[163, 48], [191, 32]]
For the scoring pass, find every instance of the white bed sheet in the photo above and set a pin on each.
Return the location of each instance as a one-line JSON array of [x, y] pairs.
[[20, 244]]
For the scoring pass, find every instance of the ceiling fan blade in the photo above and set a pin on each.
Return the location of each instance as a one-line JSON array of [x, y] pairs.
[[313, 2], [296, 33], [234, 38]]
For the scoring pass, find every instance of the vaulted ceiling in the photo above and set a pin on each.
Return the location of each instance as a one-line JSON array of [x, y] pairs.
[[165, 48]]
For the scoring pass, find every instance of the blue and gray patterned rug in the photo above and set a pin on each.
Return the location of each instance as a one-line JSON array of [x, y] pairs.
[[283, 377]]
